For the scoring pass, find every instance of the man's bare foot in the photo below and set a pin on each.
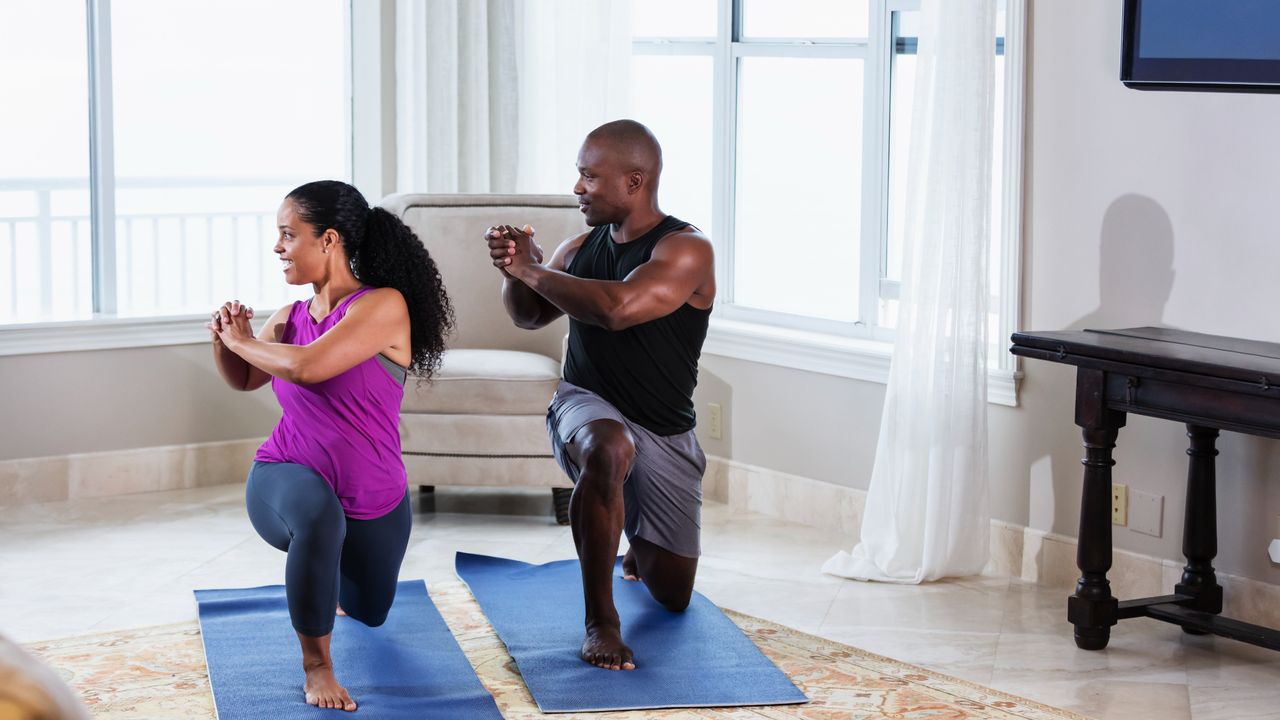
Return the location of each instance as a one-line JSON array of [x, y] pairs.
[[322, 690], [630, 570], [604, 649], [341, 612]]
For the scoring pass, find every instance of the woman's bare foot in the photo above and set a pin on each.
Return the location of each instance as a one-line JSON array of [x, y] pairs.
[[322, 690], [604, 648], [341, 612], [630, 570]]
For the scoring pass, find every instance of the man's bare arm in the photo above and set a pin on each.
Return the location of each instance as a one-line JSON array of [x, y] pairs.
[[528, 309], [681, 263]]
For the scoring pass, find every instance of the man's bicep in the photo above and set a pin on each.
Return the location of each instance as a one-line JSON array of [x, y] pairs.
[[662, 285], [674, 271]]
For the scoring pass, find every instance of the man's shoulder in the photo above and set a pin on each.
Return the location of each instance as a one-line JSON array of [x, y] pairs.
[[684, 240]]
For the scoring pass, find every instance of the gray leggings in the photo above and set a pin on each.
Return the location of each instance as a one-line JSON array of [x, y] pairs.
[[332, 558]]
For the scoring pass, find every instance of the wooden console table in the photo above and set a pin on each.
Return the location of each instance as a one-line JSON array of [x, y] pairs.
[[1209, 383]]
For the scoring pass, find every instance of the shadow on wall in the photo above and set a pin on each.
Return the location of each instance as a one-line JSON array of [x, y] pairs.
[[1135, 282]]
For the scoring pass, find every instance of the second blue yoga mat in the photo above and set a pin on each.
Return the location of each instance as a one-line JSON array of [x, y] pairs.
[[697, 658], [408, 669]]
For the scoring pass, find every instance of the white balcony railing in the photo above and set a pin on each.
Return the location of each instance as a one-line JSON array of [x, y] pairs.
[[182, 246]]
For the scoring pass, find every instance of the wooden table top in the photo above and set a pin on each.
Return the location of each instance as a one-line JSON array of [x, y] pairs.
[[1250, 361]]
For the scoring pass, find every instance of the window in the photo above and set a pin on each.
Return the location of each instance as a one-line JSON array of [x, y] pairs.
[[793, 157], [167, 135], [45, 250], [797, 190]]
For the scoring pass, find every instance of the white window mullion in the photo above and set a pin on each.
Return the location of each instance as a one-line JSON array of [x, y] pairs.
[[674, 47], [102, 159], [724, 151], [799, 50], [1009, 274], [875, 165]]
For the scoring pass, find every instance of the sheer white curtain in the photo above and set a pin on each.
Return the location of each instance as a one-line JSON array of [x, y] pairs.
[[927, 515], [497, 95]]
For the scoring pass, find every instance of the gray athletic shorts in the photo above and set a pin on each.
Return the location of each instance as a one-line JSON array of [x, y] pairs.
[[662, 496]]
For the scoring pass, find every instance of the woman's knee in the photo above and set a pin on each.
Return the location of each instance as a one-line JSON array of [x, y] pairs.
[[294, 497], [373, 617], [370, 608], [309, 513]]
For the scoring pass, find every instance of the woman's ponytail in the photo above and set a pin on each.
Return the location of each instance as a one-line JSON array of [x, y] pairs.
[[384, 252]]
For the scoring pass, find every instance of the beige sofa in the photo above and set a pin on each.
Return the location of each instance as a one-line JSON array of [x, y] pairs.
[[482, 420]]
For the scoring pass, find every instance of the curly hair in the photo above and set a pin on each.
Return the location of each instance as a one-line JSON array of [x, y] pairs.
[[384, 252]]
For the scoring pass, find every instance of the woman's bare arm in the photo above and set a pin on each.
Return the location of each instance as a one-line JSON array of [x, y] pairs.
[[235, 370]]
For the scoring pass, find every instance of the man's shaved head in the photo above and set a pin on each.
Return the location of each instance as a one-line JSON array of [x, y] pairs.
[[632, 145], [618, 169]]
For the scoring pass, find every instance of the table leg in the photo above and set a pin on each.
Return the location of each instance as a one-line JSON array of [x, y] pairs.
[[1200, 529], [1092, 609]]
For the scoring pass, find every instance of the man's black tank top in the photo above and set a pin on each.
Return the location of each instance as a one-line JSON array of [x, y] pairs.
[[647, 371]]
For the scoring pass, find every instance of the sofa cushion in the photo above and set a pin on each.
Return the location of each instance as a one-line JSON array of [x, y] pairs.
[[486, 382]]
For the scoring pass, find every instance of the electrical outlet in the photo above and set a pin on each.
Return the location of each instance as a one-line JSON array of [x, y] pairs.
[[713, 420], [1273, 550], [1146, 513], [1119, 504]]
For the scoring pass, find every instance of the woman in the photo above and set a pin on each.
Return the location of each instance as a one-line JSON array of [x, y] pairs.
[[329, 485]]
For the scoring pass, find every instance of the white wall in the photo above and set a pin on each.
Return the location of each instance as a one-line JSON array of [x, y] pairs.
[[1146, 208], [78, 402], [1142, 208]]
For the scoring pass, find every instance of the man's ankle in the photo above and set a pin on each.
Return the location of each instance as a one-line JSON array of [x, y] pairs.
[[604, 623]]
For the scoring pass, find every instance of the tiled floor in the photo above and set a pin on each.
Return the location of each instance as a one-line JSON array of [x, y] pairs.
[[95, 565]]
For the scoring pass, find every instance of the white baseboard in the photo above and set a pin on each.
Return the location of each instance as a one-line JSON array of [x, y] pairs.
[[87, 475], [1018, 552]]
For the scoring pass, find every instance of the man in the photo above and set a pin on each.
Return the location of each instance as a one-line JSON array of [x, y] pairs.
[[638, 290]]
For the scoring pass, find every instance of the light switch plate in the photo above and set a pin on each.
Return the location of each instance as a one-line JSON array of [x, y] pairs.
[[1146, 513]]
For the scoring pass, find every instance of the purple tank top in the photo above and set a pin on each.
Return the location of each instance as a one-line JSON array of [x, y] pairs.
[[345, 428]]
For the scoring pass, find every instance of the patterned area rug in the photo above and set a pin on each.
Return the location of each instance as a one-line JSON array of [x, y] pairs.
[[159, 674]]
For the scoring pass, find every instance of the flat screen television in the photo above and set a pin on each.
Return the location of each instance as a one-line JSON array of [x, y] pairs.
[[1223, 45]]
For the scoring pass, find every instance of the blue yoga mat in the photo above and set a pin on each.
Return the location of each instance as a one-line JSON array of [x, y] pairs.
[[410, 667], [697, 658]]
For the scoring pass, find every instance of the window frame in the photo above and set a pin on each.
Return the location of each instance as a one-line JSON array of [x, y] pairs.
[[368, 26], [861, 349]]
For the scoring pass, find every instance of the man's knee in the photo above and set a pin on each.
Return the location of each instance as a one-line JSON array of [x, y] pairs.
[[673, 599], [608, 451]]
